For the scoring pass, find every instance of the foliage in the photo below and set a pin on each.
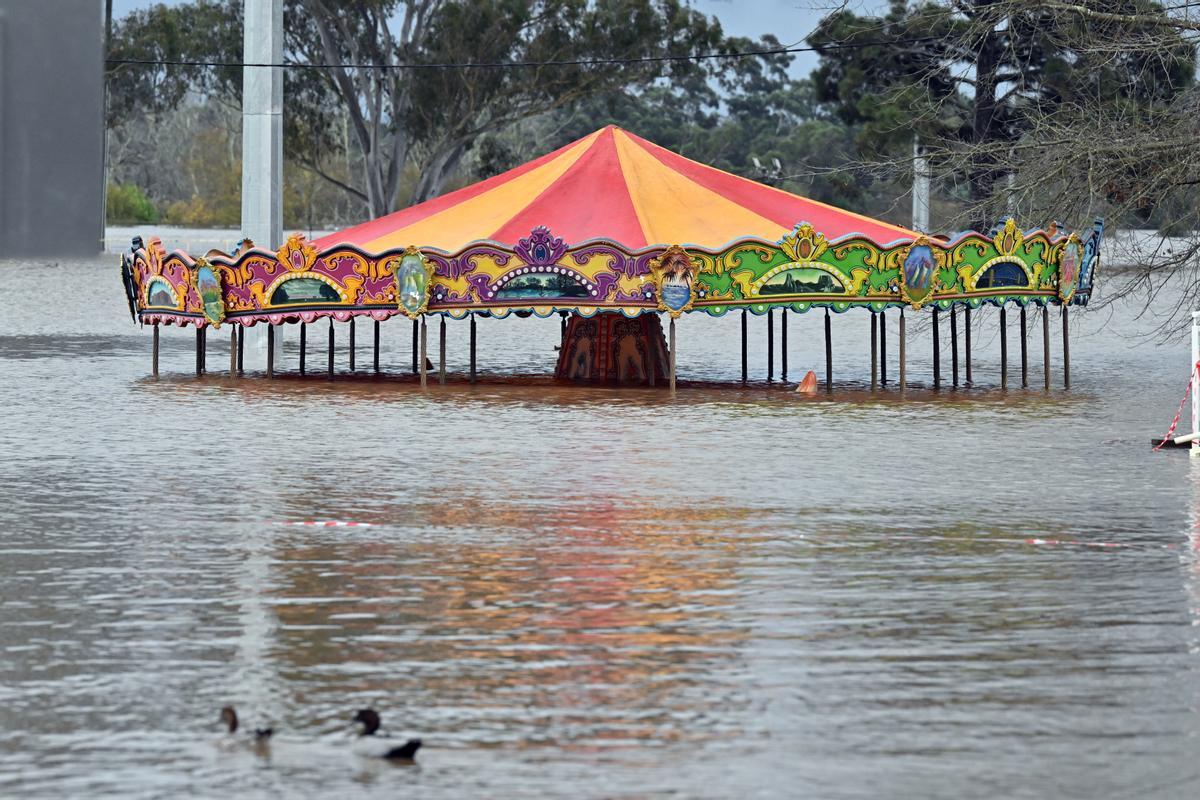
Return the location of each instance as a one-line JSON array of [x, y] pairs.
[[126, 205]]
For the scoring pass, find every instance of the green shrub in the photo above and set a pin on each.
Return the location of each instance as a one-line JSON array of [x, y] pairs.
[[127, 205]]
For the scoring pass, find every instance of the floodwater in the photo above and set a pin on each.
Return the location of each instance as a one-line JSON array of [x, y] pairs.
[[583, 592]]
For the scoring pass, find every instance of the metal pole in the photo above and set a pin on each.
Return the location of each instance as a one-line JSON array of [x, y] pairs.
[[232, 352], [828, 354], [937, 351], [376, 362], [883, 348], [1024, 353], [303, 347], [921, 180], [154, 353], [262, 132], [331, 346], [1066, 351], [967, 331], [442, 350], [874, 351], [1003, 348], [199, 351], [1195, 450], [352, 344], [903, 342], [415, 336], [672, 326], [745, 372], [770, 345], [1046, 344], [783, 345], [270, 350], [424, 359], [473, 345], [241, 331], [954, 344]]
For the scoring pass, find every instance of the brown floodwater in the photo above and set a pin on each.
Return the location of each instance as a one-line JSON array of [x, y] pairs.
[[587, 592]]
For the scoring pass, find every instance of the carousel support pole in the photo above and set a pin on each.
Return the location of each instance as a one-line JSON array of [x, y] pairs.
[[232, 351], [874, 351], [424, 350], [954, 344], [352, 344], [828, 353], [270, 350], [1003, 348], [199, 351], [783, 345], [154, 352], [442, 351], [903, 365], [375, 364], [1066, 351], [672, 354], [745, 372], [883, 348], [770, 345], [1046, 344], [416, 335], [937, 351], [303, 347], [1024, 353], [562, 329], [241, 347], [967, 332], [564, 322], [331, 347]]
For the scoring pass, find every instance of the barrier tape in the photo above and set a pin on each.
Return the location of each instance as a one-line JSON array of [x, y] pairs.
[[1175, 422]]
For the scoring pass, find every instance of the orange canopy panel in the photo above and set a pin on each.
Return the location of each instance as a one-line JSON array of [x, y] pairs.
[[610, 185]]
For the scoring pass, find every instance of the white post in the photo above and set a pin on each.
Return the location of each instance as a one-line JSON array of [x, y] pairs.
[[1195, 382], [920, 192], [262, 138]]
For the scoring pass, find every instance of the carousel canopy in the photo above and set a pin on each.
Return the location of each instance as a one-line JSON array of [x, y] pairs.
[[613, 185]]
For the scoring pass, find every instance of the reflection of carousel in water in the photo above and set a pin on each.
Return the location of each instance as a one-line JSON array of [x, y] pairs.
[[613, 348]]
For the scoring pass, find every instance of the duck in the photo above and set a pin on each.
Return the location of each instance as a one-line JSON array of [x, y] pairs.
[[368, 721], [229, 718]]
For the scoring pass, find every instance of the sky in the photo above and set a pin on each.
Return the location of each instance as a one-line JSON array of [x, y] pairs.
[[790, 20]]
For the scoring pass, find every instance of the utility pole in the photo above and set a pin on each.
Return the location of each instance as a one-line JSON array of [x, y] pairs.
[[262, 134], [920, 192]]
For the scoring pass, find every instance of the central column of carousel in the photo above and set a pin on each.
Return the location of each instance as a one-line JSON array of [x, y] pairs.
[[609, 347]]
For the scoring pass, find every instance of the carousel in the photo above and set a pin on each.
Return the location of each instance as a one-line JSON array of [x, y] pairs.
[[613, 233]]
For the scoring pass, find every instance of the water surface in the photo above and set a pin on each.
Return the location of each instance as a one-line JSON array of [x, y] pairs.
[[587, 592]]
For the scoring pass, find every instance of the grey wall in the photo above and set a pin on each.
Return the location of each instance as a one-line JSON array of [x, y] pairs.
[[51, 127]]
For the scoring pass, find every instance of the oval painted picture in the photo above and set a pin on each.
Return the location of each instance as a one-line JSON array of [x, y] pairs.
[[919, 267], [208, 284], [1068, 269], [412, 283], [678, 275]]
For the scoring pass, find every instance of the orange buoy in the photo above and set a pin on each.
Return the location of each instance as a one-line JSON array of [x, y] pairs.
[[809, 384]]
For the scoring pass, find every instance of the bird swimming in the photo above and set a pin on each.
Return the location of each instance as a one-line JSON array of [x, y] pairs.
[[229, 718], [369, 721]]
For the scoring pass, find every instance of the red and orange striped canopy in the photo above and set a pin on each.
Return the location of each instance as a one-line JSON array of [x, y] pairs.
[[611, 185]]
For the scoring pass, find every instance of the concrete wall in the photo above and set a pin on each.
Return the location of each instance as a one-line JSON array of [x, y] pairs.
[[51, 127]]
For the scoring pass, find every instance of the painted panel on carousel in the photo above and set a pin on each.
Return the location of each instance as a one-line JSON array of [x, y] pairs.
[[1069, 260], [212, 296], [1091, 260], [302, 290], [413, 273], [920, 264], [159, 294], [675, 278]]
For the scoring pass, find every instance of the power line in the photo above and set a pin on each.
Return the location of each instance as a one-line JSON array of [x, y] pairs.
[[168, 62]]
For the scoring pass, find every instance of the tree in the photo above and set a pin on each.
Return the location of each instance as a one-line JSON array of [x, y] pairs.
[[975, 80], [417, 114]]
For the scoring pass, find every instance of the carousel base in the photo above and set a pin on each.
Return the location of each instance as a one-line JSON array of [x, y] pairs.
[[613, 348]]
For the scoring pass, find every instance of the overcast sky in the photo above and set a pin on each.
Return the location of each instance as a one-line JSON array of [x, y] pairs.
[[789, 20]]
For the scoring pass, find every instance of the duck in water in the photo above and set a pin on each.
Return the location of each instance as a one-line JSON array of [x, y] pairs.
[[229, 718], [368, 721]]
